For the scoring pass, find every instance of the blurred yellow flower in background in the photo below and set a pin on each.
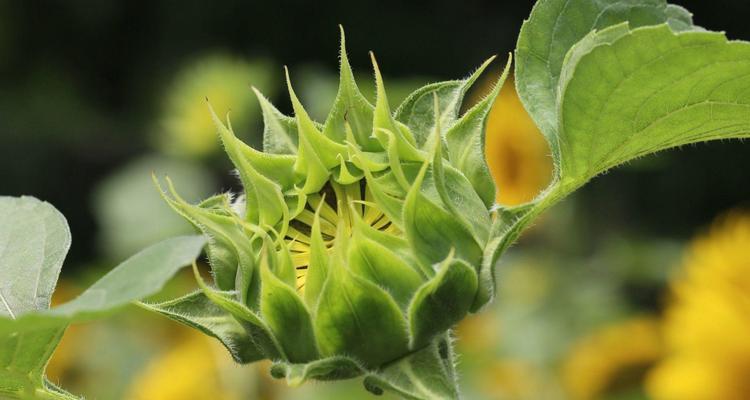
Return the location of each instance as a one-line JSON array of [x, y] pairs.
[[613, 360], [188, 370], [512, 379], [196, 368], [707, 322], [517, 153], [186, 128]]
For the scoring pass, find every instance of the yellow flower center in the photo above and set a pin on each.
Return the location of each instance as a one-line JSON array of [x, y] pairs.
[[335, 204]]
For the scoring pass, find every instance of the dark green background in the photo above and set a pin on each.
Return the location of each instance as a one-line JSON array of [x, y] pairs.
[[80, 82]]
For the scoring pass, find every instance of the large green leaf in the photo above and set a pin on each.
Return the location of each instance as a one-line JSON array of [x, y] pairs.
[[138, 277], [34, 239], [555, 26], [28, 341], [629, 92], [605, 91]]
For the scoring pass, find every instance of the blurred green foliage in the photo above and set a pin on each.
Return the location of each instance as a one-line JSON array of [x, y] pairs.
[[131, 212]]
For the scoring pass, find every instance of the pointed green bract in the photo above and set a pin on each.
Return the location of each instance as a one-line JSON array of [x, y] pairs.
[[377, 263], [280, 132], [318, 266], [197, 311], [441, 302], [225, 239], [465, 139], [325, 369], [433, 231], [418, 110], [259, 190], [356, 317], [350, 107], [258, 330], [284, 311]]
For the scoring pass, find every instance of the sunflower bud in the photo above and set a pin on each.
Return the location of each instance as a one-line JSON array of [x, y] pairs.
[[357, 241]]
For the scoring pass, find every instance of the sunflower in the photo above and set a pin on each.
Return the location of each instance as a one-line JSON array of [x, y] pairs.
[[707, 322], [516, 151], [612, 361]]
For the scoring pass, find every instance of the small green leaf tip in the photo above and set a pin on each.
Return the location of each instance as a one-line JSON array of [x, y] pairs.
[[335, 258]]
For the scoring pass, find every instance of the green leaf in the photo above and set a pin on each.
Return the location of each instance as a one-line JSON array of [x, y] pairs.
[[626, 93], [23, 358], [34, 238], [197, 311], [554, 27], [644, 81], [138, 277]]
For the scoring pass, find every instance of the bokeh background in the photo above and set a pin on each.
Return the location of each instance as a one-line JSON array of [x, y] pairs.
[[637, 287]]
